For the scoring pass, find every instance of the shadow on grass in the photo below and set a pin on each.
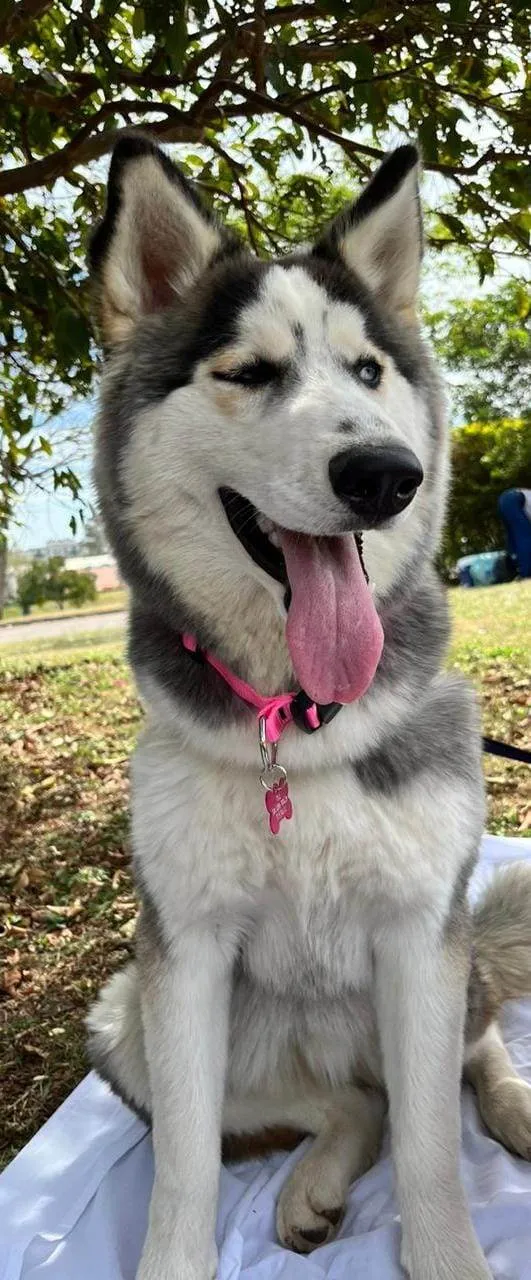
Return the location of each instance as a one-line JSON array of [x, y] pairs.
[[68, 920]]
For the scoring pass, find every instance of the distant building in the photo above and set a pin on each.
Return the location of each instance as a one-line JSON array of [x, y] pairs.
[[66, 547], [104, 570]]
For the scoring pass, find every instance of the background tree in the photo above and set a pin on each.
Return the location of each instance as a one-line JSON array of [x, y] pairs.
[[32, 585], [57, 580], [247, 90], [49, 580], [487, 457], [485, 345], [77, 588]]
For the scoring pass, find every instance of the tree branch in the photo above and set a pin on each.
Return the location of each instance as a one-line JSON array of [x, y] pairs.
[[20, 17], [235, 171], [33, 96], [42, 172]]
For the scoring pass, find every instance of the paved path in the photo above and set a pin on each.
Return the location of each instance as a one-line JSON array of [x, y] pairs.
[[62, 626]]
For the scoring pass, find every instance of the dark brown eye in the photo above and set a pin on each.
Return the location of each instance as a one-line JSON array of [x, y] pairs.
[[258, 373], [369, 372]]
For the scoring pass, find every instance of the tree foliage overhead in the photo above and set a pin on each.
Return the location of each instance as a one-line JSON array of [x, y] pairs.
[[203, 72], [250, 90]]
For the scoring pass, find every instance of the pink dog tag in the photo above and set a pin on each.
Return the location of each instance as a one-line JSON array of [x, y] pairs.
[[274, 780], [278, 803]]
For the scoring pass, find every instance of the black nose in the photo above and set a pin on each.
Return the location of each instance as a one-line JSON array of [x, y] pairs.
[[377, 482]]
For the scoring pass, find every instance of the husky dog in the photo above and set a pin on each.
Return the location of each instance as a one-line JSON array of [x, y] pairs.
[[272, 466]]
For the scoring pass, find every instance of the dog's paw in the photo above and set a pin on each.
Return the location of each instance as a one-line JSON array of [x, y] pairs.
[[310, 1208], [506, 1111]]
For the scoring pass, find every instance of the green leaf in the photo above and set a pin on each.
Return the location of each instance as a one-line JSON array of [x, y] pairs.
[[276, 75], [459, 10], [71, 333], [176, 39], [428, 139], [138, 23], [486, 264], [45, 446], [385, 75], [455, 225], [363, 58]]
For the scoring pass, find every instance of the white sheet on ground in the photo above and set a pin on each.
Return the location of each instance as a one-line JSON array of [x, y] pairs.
[[73, 1205]]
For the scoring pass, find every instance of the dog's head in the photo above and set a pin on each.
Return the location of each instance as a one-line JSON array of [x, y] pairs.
[[259, 416]]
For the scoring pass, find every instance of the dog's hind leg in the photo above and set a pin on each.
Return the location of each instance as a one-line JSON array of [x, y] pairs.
[[501, 970], [348, 1125], [116, 1040], [504, 1099], [311, 1204]]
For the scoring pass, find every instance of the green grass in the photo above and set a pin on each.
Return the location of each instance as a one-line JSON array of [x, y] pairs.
[[67, 906], [493, 619], [106, 602], [54, 649]]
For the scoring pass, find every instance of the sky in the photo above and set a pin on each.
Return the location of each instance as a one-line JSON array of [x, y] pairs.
[[42, 516]]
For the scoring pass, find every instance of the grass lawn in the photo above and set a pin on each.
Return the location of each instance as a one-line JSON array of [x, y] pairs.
[[67, 910], [106, 601]]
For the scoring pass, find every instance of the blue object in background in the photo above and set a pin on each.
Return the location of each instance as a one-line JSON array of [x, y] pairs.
[[512, 508], [485, 569]]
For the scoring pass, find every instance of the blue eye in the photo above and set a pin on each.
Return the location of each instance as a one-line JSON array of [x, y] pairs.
[[369, 372]]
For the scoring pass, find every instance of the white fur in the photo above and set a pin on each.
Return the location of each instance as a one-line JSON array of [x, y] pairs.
[[384, 247], [155, 212]]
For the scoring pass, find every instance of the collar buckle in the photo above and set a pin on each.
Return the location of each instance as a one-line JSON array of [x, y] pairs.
[[309, 715]]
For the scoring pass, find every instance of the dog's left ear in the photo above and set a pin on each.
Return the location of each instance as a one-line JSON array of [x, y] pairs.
[[155, 239], [380, 236]]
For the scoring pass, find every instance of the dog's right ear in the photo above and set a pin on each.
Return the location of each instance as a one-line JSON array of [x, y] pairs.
[[154, 241]]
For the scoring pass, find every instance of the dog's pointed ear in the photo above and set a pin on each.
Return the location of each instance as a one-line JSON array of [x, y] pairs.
[[379, 237], [155, 238]]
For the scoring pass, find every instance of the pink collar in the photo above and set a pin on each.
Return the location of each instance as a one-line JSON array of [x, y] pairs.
[[275, 713]]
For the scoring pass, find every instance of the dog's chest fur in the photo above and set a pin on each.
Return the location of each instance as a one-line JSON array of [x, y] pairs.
[[304, 905], [305, 942]]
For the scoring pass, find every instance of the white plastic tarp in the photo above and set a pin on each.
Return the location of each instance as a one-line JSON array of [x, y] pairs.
[[73, 1205]]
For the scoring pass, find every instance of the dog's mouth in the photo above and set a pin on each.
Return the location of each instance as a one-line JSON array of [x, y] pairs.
[[254, 532], [333, 631]]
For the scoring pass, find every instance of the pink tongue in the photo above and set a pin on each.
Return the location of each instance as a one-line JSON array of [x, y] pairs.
[[334, 634]]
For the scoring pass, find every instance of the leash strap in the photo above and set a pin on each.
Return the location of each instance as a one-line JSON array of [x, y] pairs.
[[495, 748]]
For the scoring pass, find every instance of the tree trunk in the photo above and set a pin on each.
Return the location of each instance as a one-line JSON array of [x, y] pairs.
[[3, 573]]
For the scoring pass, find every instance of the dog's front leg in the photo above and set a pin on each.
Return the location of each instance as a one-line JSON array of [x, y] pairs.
[[421, 980], [185, 1002]]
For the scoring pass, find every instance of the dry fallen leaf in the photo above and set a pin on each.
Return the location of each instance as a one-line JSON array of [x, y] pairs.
[[10, 980], [34, 1050]]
